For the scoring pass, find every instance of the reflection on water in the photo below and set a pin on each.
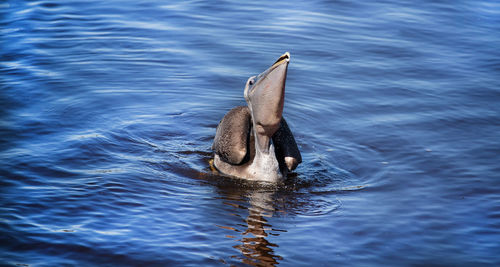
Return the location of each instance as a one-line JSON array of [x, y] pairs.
[[255, 248], [254, 204], [259, 201]]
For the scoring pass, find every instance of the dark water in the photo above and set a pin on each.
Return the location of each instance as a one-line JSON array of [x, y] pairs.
[[109, 109]]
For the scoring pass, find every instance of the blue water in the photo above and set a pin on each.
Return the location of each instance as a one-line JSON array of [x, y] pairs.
[[109, 110]]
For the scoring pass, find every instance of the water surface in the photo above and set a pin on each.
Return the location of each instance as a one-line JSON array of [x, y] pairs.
[[109, 109]]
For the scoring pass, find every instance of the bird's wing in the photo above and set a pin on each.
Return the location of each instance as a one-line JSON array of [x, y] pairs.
[[233, 136], [285, 147]]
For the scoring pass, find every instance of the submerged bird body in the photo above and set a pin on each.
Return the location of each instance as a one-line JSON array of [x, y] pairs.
[[255, 142]]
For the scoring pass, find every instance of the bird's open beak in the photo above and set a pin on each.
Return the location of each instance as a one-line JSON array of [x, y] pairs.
[[265, 95]]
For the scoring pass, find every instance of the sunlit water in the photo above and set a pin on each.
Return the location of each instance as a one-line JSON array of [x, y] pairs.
[[109, 109]]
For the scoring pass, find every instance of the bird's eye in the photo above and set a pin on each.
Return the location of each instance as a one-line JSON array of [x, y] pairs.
[[251, 81]]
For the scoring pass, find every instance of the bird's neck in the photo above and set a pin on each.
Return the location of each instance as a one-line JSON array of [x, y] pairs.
[[264, 165]]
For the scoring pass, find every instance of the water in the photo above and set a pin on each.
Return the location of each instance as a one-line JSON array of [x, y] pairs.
[[109, 109]]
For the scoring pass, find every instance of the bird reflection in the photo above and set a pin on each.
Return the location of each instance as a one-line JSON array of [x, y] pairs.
[[255, 248], [261, 202]]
